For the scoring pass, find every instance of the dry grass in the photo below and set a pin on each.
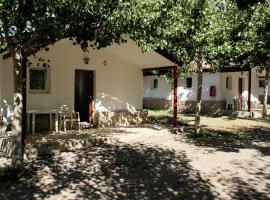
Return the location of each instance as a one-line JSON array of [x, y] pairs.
[[224, 123]]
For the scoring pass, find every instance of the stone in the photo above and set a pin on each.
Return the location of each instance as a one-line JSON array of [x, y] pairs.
[[177, 130]]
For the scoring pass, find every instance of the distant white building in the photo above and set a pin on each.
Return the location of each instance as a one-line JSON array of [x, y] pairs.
[[221, 91]]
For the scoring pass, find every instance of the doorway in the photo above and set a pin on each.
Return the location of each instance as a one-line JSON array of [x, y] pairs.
[[84, 91], [240, 87], [241, 102]]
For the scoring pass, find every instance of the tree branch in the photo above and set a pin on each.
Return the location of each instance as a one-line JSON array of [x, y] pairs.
[[31, 40], [2, 39], [40, 47]]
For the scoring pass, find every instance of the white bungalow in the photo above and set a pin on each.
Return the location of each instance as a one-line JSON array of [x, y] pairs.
[[105, 86], [226, 90]]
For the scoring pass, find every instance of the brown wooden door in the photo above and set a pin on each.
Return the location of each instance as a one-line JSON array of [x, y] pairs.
[[240, 87], [84, 102]]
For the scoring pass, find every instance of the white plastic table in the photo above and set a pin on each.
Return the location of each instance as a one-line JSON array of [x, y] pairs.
[[46, 111]]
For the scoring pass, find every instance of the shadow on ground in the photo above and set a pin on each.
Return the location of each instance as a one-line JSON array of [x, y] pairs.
[[245, 138], [243, 190], [252, 182], [165, 120], [111, 172], [248, 138]]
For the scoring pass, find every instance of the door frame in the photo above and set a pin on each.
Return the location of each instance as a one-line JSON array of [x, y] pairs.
[[92, 103]]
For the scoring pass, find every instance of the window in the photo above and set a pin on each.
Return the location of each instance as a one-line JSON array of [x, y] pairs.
[[189, 82], [155, 84], [229, 82], [261, 83], [38, 80]]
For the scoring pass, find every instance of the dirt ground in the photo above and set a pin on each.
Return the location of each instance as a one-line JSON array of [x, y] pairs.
[[232, 161]]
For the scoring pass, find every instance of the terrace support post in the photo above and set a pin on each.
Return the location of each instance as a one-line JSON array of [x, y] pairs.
[[249, 90], [175, 80]]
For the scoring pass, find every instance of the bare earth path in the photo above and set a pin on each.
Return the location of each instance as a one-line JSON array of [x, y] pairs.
[[236, 174], [231, 162], [235, 161]]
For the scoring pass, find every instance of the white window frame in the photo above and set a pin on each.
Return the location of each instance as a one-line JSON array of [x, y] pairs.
[[46, 79]]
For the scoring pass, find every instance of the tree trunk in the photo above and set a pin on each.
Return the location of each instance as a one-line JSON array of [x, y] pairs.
[[175, 79], [266, 82], [199, 95], [17, 153]]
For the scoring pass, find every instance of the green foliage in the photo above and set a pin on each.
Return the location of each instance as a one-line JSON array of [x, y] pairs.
[[224, 32], [29, 25], [23, 176], [8, 173], [248, 41], [181, 28]]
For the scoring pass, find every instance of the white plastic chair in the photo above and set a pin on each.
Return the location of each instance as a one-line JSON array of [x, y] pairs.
[[66, 115], [243, 103]]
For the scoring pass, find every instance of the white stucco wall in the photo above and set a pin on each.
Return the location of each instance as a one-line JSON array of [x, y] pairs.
[[162, 92], [6, 81], [130, 51], [1, 82], [189, 94], [184, 94], [209, 79], [261, 90], [117, 85], [233, 93]]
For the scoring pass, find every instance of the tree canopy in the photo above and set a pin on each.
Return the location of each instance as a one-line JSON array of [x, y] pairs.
[[175, 26], [29, 25], [250, 37]]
